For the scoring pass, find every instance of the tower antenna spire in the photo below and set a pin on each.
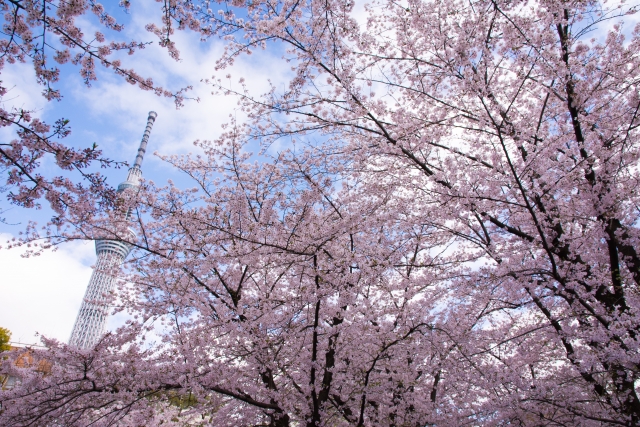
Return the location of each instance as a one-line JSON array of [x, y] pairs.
[[145, 138]]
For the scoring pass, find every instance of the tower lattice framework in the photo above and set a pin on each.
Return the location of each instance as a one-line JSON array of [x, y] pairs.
[[92, 317]]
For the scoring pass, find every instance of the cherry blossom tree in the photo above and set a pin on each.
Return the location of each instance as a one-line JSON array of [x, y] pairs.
[[435, 223], [46, 35]]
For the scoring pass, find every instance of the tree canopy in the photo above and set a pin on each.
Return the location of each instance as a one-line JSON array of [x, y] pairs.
[[5, 337], [447, 234]]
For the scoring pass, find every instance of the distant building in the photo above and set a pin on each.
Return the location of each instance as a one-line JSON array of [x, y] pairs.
[[24, 360]]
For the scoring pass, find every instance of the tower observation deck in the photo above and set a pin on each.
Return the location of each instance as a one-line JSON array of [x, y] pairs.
[[92, 317]]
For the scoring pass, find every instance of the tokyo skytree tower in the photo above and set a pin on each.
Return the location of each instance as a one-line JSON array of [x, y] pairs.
[[92, 317]]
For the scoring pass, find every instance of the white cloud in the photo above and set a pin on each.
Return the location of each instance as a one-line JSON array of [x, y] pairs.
[[43, 294], [22, 92], [22, 89], [359, 13], [116, 101]]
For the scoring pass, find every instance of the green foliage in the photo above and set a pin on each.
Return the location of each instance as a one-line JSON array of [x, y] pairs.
[[5, 337], [182, 400]]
